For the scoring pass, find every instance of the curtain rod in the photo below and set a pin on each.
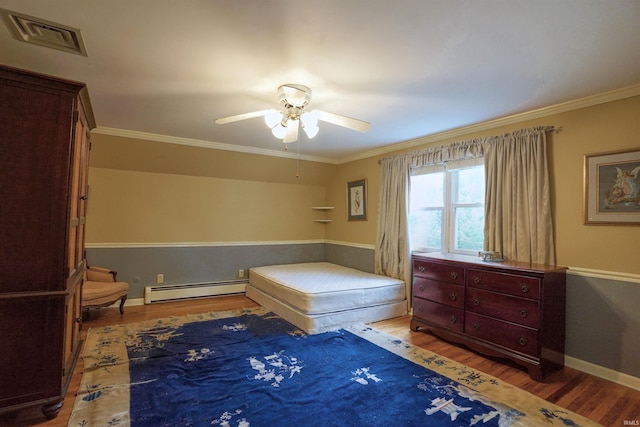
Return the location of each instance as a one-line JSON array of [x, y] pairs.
[[546, 129]]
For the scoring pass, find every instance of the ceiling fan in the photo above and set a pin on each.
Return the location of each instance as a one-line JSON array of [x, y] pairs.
[[285, 123]]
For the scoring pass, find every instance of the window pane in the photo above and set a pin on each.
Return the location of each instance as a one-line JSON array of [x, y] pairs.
[[471, 185], [456, 227], [469, 228], [425, 229], [427, 191]]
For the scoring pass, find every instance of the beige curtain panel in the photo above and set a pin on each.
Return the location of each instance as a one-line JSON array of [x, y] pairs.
[[518, 219], [517, 203]]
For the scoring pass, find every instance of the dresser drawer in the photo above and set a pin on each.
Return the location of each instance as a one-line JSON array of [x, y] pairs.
[[441, 272], [505, 307], [518, 338], [438, 314], [523, 286], [444, 293]]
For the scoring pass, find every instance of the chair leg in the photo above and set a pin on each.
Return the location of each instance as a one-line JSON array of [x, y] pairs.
[[122, 300]]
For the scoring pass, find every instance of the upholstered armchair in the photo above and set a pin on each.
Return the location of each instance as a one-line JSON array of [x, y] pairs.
[[101, 289]]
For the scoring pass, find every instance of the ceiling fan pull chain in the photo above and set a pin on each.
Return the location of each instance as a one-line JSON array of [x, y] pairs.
[[298, 161]]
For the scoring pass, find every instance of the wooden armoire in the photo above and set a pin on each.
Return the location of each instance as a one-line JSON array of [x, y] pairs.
[[44, 153]]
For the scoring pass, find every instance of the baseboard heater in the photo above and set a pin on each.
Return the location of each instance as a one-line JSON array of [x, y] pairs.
[[194, 290]]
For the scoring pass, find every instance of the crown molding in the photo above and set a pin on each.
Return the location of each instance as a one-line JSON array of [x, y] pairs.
[[614, 95], [589, 101], [101, 130]]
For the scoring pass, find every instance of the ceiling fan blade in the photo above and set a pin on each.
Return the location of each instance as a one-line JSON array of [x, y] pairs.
[[344, 121], [291, 134], [239, 117]]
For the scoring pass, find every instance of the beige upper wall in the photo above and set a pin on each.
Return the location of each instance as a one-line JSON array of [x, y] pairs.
[[116, 152], [134, 207], [151, 192], [602, 128]]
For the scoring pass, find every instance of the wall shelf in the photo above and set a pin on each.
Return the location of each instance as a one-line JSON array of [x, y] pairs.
[[325, 209]]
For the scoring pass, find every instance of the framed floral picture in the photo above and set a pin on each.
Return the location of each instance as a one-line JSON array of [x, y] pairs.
[[357, 200], [611, 184]]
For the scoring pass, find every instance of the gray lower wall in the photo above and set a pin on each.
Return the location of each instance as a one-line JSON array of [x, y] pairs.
[[196, 264], [602, 325], [204, 264], [349, 256]]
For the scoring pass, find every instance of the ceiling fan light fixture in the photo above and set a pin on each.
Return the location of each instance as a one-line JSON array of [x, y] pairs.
[[279, 131], [272, 118], [310, 119], [311, 131], [292, 127], [286, 123]]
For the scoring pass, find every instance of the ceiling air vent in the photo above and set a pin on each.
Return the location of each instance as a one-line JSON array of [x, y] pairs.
[[44, 33]]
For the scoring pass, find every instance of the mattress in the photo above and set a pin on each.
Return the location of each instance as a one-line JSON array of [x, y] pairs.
[[321, 287], [318, 323], [322, 296]]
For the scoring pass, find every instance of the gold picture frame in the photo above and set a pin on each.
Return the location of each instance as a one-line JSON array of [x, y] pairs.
[[357, 200], [612, 188]]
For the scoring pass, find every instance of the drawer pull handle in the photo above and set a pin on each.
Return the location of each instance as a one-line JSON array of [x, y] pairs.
[[454, 275], [420, 308], [421, 268], [453, 318], [476, 301], [524, 312], [524, 288], [476, 279], [476, 326], [523, 341], [453, 296], [421, 287]]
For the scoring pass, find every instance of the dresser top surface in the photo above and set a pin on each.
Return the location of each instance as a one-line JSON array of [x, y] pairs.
[[472, 261]]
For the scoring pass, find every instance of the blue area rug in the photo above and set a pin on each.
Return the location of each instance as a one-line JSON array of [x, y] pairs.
[[252, 368]]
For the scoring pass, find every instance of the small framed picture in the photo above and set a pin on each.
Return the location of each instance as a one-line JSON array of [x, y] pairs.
[[611, 188], [357, 200]]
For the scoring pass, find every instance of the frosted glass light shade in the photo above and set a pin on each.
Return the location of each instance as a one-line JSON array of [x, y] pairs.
[[311, 131], [278, 131], [272, 118], [310, 119]]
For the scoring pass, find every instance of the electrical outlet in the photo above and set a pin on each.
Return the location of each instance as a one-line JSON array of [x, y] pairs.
[[241, 274], [160, 278]]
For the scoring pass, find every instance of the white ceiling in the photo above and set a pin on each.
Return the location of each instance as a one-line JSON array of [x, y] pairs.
[[411, 68]]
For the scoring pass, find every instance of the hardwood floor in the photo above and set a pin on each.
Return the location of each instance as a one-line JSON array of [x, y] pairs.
[[608, 403]]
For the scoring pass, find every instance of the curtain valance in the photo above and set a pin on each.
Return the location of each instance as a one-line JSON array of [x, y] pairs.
[[463, 149]]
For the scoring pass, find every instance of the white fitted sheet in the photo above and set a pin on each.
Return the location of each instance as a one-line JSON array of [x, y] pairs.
[[322, 287]]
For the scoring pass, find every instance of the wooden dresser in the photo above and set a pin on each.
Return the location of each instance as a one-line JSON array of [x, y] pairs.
[[513, 310], [44, 128]]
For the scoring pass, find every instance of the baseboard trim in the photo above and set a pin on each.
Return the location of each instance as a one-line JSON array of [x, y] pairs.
[[602, 372], [134, 301]]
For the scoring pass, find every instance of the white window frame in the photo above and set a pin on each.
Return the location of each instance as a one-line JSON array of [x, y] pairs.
[[448, 230]]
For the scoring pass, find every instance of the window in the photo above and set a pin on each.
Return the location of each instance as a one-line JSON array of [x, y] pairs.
[[446, 212]]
